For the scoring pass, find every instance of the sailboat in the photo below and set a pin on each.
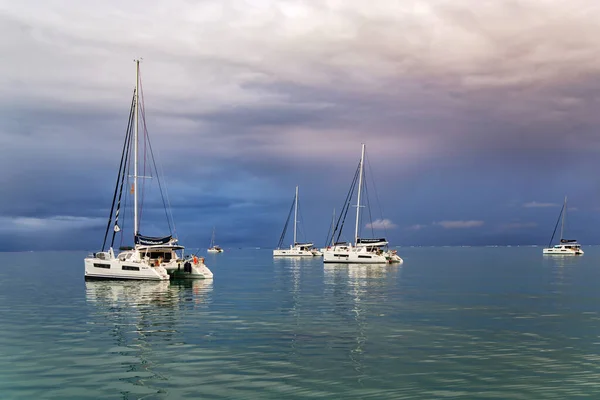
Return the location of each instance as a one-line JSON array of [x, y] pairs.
[[213, 247], [363, 250], [565, 247], [150, 258], [296, 249]]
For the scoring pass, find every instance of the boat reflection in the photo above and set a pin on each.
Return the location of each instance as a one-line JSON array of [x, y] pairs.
[[112, 293], [140, 317], [358, 290]]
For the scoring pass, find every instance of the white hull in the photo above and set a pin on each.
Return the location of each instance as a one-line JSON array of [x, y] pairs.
[[292, 253], [353, 255], [118, 269], [563, 252], [199, 271], [214, 250]]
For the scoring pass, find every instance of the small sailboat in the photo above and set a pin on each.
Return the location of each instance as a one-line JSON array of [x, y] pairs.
[[296, 249], [363, 250], [213, 247], [565, 247], [150, 258]]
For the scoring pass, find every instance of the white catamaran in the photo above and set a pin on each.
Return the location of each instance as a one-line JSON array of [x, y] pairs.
[[565, 247], [296, 249], [213, 247], [151, 258], [363, 251]]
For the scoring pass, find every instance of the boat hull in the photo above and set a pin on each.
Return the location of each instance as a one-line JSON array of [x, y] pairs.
[[96, 268], [189, 270], [353, 256], [292, 253], [562, 252]]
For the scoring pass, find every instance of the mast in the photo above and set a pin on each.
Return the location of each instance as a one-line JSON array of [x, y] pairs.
[[295, 214], [135, 149], [360, 178], [562, 225], [212, 240]]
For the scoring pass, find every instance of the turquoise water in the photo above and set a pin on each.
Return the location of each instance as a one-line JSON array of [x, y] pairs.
[[501, 323]]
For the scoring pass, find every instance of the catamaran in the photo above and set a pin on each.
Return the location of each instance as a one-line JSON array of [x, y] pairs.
[[150, 258], [296, 249], [363, 250], [213, 247], [565, 247]]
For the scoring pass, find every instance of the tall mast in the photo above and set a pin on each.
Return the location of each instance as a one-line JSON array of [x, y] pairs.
[[295, 214], [562, 225], [135, 149], [360, 178]]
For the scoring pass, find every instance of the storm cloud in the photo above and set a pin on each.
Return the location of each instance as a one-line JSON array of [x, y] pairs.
[[469, 110]]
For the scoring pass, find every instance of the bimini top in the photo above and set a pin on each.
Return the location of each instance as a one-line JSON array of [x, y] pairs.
[[568, 240], [371, 242], [152, 241], [303, 244]]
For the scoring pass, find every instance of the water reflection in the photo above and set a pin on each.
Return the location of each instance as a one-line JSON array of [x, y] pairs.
[[141, 318], [357, 290]]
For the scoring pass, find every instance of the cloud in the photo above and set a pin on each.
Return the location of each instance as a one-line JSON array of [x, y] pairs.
[[53, 224], [287, 93], [519, 225], [535, 204], [381, 224], [417, 227], [460, 224]]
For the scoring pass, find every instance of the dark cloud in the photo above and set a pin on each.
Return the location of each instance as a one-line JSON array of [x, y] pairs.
[[468, 110]]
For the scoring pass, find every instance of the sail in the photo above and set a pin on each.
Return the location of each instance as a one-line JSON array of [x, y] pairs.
[[152, 241]]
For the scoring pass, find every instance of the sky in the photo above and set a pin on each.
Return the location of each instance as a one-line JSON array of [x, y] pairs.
[[478, 116]]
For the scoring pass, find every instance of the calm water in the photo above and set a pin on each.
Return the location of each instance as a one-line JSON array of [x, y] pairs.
[[501, 323]]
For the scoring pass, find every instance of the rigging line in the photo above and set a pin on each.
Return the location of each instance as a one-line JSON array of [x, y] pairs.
[[144, 136], [346, 207], [112, 207], [327, 241], [304, 235], [556, 226], [167, 203], [128, 166], [369, 208], [282, 237], [347, 204], [125, 183], [376, 195]]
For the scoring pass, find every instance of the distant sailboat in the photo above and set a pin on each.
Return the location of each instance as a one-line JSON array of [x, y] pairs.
[[565, 247], [363, 250], [213, 247], [296, 249], [150, 258]]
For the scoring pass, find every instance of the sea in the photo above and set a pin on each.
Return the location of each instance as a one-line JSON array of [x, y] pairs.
[[449, 323]]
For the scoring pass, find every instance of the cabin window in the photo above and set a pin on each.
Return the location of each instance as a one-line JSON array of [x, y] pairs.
[[97, 265], [130, 268], [165, 256]]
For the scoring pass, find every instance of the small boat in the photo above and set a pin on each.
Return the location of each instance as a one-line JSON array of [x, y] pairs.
[[363, 250], [565, 247], [150, 258], [296, 249], [213, 247]]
